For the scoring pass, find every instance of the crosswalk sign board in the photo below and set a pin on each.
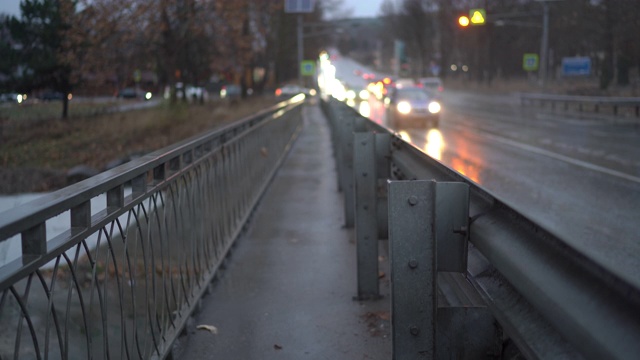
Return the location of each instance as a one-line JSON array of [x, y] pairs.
[[307, 68], [477, 16], [530, 62]]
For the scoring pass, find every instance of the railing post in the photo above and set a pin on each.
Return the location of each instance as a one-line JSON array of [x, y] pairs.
[[366, 225], [412, 255]]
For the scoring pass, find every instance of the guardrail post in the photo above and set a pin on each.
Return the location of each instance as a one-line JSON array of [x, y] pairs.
[[366, 229], [428, 232], [383, 168], [412, 255], [345, 162]]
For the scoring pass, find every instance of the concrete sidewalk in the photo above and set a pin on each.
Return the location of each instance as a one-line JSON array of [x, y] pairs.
[[287, 289]]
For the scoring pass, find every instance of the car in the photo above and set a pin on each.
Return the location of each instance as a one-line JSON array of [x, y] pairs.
[[412, 107], [288, 91], [431, 83], [134, 93], [11, 98], [231, 93], [51, 96]]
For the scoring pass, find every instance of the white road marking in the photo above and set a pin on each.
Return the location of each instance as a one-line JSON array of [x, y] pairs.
[[566, 159]]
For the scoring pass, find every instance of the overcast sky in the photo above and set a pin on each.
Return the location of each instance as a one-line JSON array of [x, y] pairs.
[[11, 7], [361, 8]]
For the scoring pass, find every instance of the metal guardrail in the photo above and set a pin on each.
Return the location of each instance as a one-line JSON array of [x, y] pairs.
[[583, 103], [549, 299], [124, 276]]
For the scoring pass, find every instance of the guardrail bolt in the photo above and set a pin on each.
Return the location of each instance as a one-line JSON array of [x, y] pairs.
[[364, 174], [413, 263], [462, 230], [413, 200], [414, 330]]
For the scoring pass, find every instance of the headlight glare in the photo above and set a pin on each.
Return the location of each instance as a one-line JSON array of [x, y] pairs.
[[404, 107], [434, 107]]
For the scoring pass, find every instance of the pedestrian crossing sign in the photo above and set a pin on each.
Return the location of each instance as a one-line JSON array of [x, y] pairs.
[[307, 68]]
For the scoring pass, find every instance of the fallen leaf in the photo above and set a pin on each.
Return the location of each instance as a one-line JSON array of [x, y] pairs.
[[381, 274], [277, 346], [212, 329]]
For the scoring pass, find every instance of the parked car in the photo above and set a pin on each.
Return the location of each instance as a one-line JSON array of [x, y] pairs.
[[134, 93], [412, 107], [51, 96], [11, 97], [231, 93]]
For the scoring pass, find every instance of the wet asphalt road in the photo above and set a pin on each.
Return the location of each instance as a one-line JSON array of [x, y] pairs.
[[578, 177]]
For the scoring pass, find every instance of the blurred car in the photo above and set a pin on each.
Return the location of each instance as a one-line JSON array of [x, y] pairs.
[[12, 98], [412, 107], [288, 91], [231, 93], [431, 83], [52, 96], [134, 93]]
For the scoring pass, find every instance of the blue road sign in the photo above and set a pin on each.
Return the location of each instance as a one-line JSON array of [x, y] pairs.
[[576, 66]]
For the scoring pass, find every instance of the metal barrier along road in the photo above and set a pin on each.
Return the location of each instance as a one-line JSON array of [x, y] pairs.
[[584, 103], [467, 270], [140, 245]]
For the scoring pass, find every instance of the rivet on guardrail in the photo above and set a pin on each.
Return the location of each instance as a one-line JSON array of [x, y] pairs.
[[413, 200], [414, 330], [364, 174], [413, 263]]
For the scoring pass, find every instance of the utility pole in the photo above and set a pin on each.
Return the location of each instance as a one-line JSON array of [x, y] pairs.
[[544, 43], [544, 47], [300, 48], [299, 7]]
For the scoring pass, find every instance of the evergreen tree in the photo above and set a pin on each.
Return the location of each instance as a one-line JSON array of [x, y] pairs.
[[43, 37]]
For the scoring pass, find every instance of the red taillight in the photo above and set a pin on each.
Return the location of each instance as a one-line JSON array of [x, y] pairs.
[[440, 88], [278, 92]]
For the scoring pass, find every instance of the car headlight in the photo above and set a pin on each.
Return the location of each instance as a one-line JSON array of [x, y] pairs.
[[434, 107], [404, 107], [351, 95], [364, 95]]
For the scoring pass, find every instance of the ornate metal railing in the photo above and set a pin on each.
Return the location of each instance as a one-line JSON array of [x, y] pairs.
[[139, 244]]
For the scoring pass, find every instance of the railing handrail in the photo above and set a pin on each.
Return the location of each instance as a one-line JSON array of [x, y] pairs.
[[611, 100], [52, 204]]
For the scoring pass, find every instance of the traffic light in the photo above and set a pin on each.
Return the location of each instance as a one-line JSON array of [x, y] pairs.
[[475, 17], [464, 21]]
